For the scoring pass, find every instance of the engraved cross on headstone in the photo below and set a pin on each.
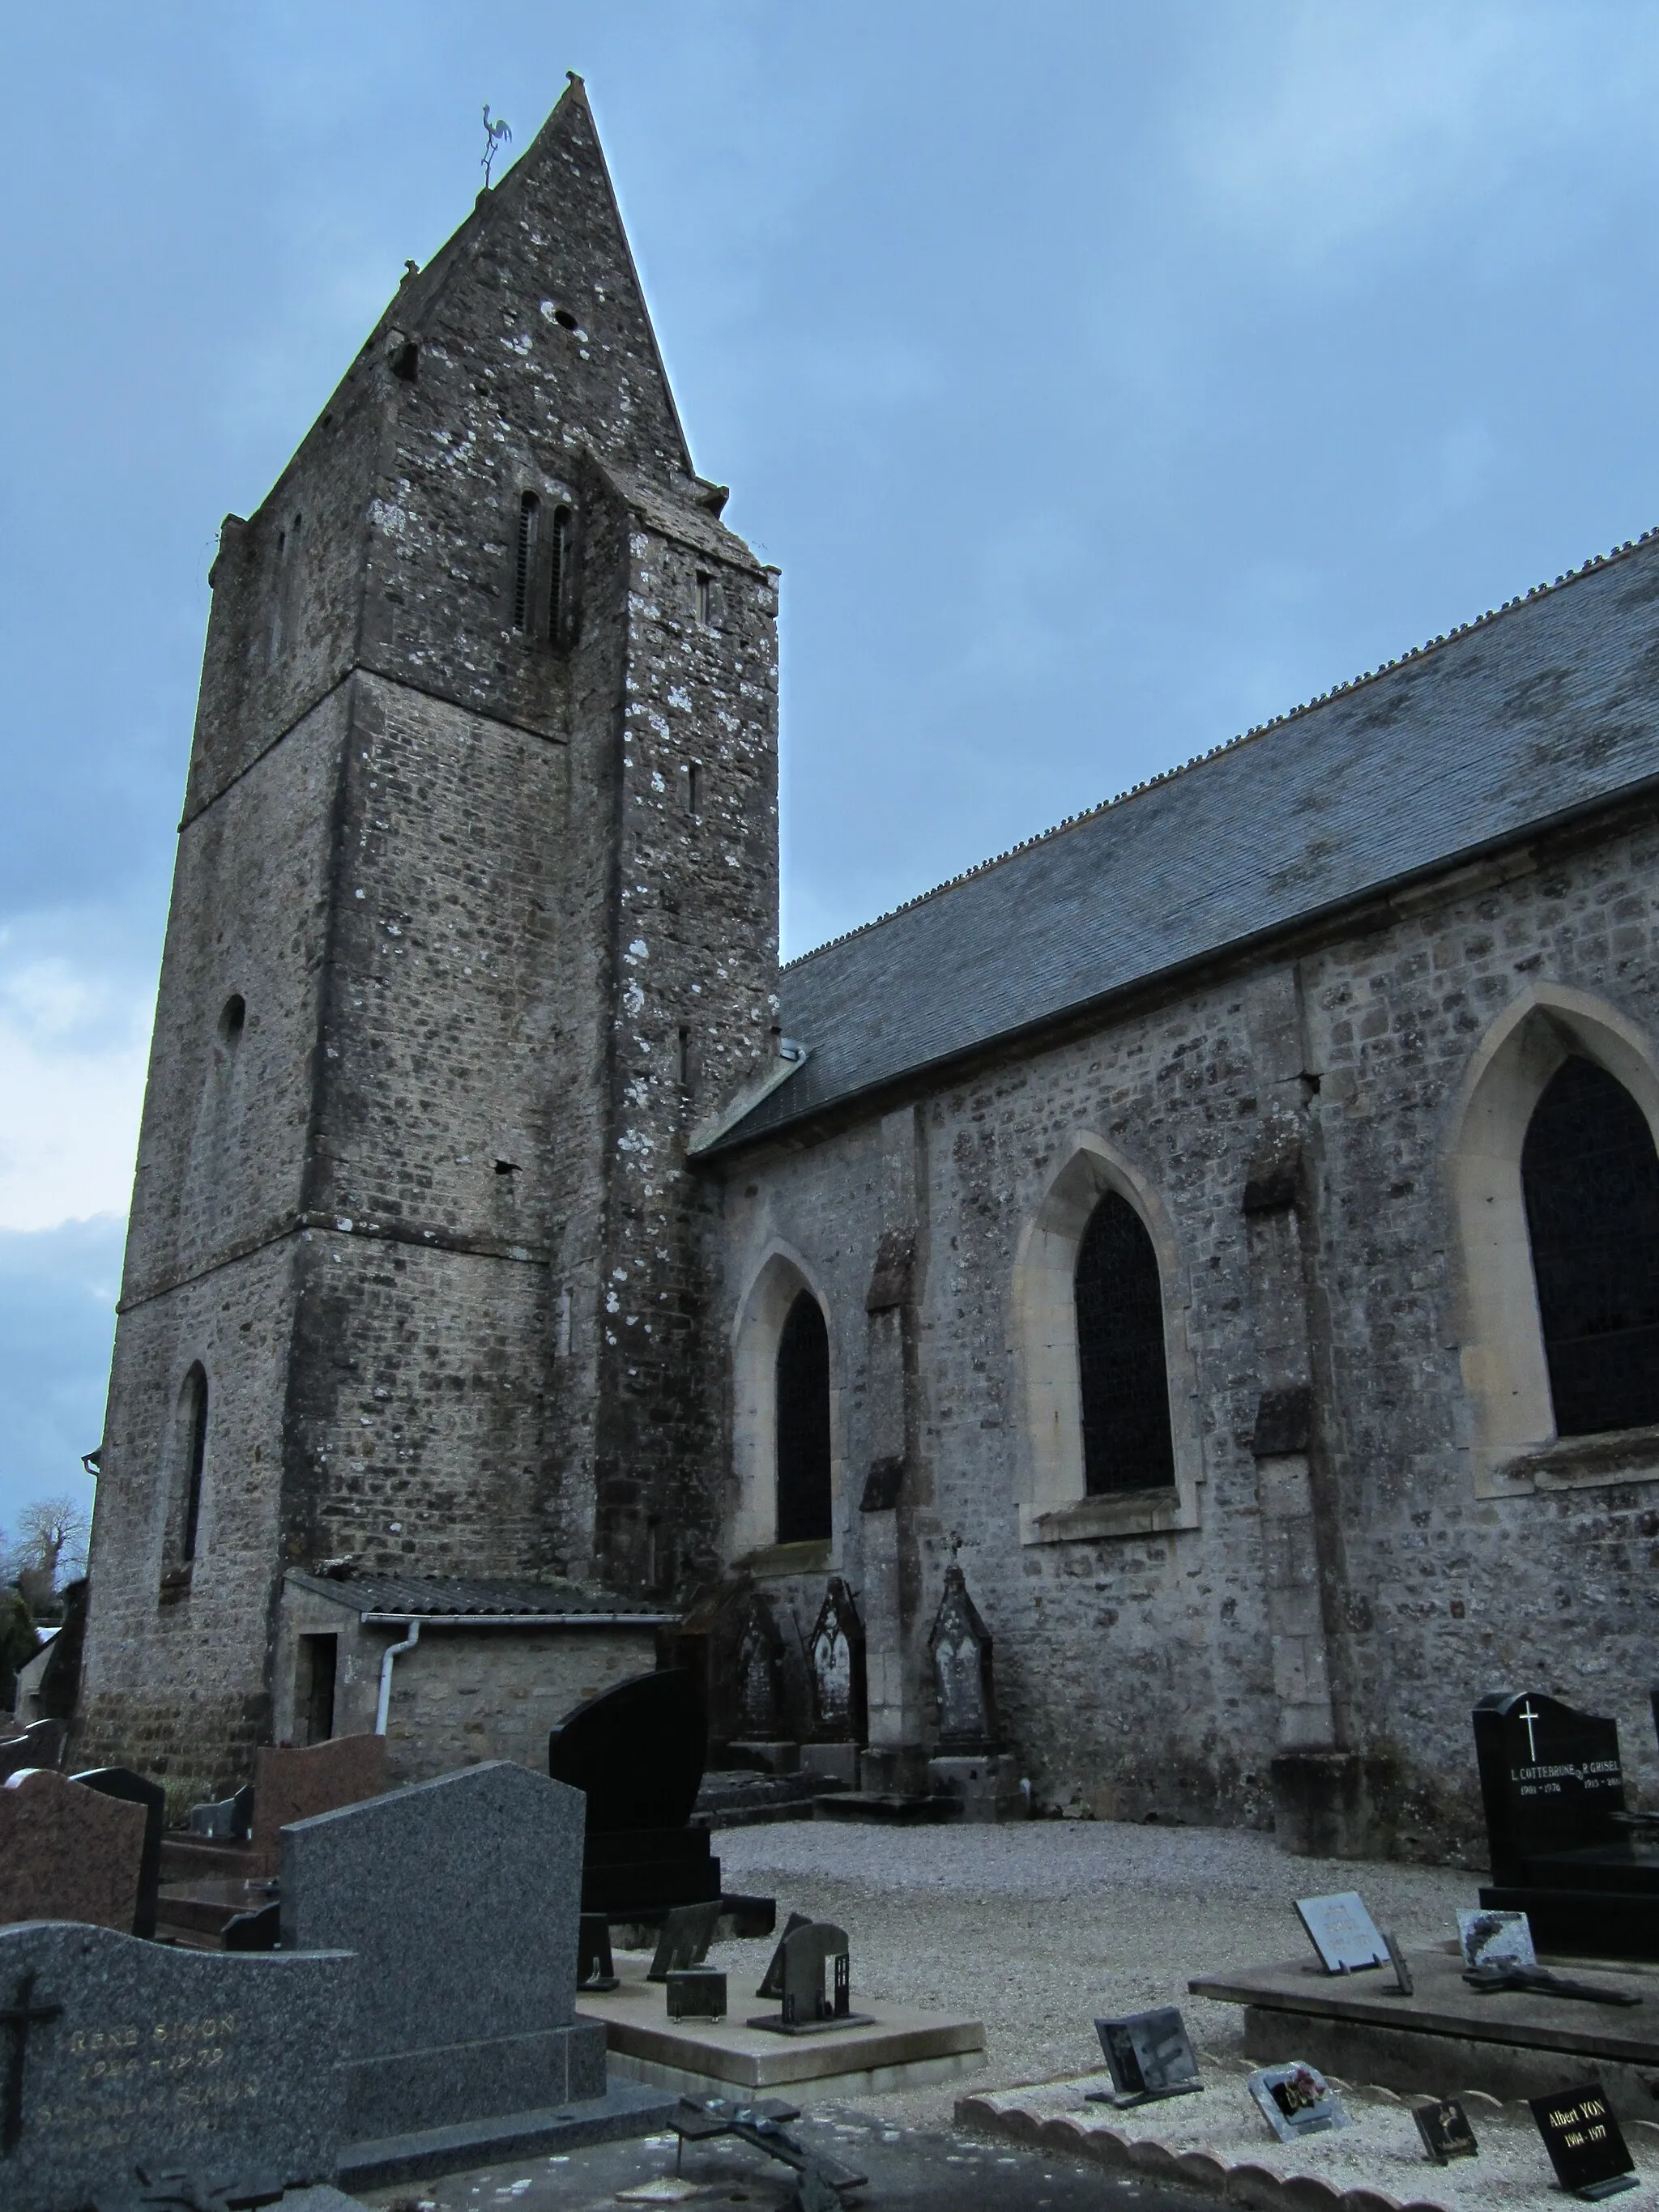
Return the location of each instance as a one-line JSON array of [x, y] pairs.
[[19, 2017], [1527, 1717]]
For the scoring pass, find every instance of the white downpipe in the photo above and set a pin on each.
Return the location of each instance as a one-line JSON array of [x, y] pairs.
[[393, 1652]]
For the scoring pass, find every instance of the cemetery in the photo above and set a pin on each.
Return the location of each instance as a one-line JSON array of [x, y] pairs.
[[323, 1989]]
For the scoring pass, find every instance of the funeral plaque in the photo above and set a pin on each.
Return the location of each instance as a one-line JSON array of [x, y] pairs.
[[1493, 1938], [1445, 2130], [1583, 2138], [1296, 2100], [116, 2054], [1343, 1932], [1150, 2054]]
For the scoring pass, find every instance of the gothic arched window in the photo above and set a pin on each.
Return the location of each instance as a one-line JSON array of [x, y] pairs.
[[194, 1410], [1126, 1444], [1590, 1179], [803, 1424]]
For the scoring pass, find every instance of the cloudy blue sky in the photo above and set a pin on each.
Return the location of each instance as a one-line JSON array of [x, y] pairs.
[[1106, 375]]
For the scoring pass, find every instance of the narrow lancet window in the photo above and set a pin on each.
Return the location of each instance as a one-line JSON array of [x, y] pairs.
[[195, 1410], [558, 605], [803, 1424], [1127, 1443], [705, 598], [1590, 1179], [524, 573]]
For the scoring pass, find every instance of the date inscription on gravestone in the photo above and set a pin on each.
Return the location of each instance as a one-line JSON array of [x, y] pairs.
[[1583, 2140], [119, 2054]]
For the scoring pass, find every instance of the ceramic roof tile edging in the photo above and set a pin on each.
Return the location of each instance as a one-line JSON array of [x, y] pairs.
[[518, 1603], [1545, 709]]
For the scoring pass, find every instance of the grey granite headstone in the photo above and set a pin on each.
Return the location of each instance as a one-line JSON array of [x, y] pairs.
[[135, 2054], [461, 1898]]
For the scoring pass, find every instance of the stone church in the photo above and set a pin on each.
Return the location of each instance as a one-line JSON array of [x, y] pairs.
[[1224, 1230]]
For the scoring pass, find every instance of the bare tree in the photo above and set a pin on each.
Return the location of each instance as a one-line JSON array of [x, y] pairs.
[[51, 1547]]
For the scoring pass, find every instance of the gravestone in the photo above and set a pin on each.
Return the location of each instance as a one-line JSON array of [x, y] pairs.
[[759, 1672], [835, 1667], [1343, 1932], [294, 1782], [960, 1646], [126, 2055], [131, 1788], [1296, 2100], [637, 1752], [696, 1993], [40, 1744], [225, 1819], [816, 1979], [1585, 2143], [1563, 1851], [1150, 2054], [459, 1898], [1445, 2130], [68, 1853]]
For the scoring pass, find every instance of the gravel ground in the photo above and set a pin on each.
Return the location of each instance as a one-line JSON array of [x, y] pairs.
[[1038, 1927]]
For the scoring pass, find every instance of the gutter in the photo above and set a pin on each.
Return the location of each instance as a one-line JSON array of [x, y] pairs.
[[415, 1622]]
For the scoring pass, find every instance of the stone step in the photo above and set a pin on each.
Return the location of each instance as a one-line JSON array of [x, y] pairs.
[[197, 1913], [892, 1808], [197, 1858]]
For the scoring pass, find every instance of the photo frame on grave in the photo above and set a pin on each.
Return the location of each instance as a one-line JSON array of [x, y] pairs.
[[1149, 2056], [1296, 2100], [1585, 2143], [1495, 1939], [1445, 2130], [1343, 1932], [687, 1933]]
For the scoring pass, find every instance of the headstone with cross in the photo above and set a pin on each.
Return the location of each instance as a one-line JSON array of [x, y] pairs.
[[1565, 1851], [121, 2058]]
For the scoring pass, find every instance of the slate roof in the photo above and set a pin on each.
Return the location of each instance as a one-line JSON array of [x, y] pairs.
[[1547, 708], [435, 1597]]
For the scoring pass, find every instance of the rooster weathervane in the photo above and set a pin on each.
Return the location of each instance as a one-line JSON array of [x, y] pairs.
[[495, 134]]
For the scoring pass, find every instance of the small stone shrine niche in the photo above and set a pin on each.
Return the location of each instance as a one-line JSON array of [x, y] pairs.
[[759, 1672], [835, 1667], [961, 1647]]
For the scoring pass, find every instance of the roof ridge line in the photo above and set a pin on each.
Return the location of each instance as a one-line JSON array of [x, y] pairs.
[[1528, 597]]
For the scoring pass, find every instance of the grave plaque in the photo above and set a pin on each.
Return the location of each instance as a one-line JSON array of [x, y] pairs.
[[960, 1644], [1445, 2130], [68, 1853], [1402, 1972], [125, 2055], [459, 1896], [1491, 1939], [596, 1970], [696, 1993], [1343, 1932], [684, 1939], [1150, 2054], [1550, 1781], [772, 1979], [1583, 2138], [1296, 2100], [816, 1984], [120, 1782]]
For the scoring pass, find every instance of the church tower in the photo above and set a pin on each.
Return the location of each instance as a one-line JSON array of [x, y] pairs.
[[474, 917]]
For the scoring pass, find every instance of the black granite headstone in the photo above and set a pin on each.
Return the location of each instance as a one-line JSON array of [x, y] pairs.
[[1550, 1780], [638, 1751], [1445, 2130], [136, 1789], [1586, 2148]]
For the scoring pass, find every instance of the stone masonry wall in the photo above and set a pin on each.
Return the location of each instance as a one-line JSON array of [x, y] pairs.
[[1135, 1672]]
